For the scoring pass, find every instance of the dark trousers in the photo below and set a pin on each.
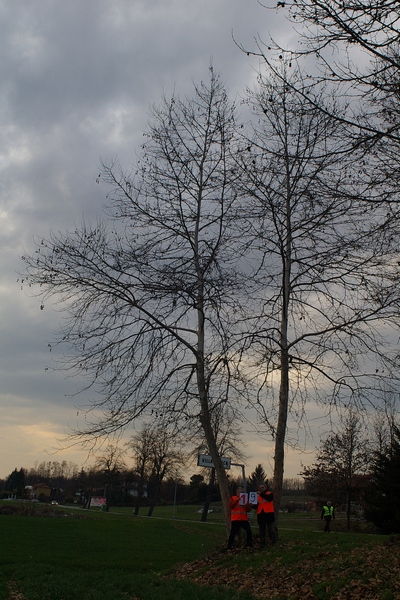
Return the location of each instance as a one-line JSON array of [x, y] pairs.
[[266, 522], [235, 526], [327, 524]]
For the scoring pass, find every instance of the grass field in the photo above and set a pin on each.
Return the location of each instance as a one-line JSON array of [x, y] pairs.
[[298, 520], [115, 556]]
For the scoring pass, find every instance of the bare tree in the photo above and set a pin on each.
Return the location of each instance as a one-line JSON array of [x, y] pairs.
[[325, 277], [150, 298], [355, 45], [227, 427], [140, 445], [157, 452], [167, 459], [111, 461], [351, 49], [383, 422], [352, 25]]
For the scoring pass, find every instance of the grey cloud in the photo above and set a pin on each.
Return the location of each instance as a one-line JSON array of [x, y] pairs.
[[77, 79]]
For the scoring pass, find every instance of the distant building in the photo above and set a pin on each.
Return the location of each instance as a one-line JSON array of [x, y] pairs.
[[40, 489]]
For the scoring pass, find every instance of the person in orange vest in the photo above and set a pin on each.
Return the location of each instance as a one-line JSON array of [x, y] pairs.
[[266, 515], [239, 519]]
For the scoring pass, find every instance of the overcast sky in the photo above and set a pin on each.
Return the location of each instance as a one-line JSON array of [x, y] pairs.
[[77, 80]]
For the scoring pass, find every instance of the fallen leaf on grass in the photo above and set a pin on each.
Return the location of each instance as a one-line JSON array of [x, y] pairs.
[[14, 593], [379, 571]]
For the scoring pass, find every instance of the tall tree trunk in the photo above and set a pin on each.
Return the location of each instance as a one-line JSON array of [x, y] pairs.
[[140, 490], [157, 480], [202, 387], [212, 446], [151, 507], [280, 435], [279, 462], [348, 510], [205, 419]]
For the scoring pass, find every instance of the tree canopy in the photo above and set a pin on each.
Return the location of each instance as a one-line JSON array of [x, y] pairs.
[[382, 498]]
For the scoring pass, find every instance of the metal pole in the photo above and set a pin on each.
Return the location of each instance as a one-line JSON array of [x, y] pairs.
[[243, 475], [173, 512]]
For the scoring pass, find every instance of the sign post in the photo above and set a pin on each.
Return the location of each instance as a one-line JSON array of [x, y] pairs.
[[204, 460], [243, 475]]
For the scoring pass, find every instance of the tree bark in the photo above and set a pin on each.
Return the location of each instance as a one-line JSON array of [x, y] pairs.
[[209, 495]]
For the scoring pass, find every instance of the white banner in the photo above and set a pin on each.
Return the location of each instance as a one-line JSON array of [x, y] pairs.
[[97, 501]]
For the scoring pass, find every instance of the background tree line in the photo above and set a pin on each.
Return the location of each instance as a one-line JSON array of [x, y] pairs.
[[124, 485], [356, 468]]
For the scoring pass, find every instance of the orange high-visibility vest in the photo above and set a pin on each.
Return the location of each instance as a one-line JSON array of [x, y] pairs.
[[238, 512], [265, 505]]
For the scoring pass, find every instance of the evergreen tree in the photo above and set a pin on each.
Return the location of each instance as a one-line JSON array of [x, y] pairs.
[[257, 477], [382, 501], [16, 482]]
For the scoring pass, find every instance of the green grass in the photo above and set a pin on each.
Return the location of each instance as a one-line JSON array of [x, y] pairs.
[[115, 556], [104, 557]]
